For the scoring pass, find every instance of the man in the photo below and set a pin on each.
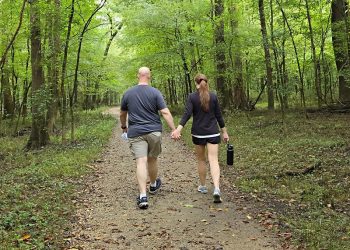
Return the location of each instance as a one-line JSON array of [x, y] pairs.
[[142, 104]]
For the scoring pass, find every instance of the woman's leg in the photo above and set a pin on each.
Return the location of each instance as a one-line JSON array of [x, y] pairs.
[[202, 168], [213, 151]]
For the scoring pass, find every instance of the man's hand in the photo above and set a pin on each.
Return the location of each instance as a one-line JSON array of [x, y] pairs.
[[123, 116], [176, 135]]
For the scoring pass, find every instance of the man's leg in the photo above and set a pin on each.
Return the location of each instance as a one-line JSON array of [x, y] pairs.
[[154, 149], [141, 173], [152, 168]]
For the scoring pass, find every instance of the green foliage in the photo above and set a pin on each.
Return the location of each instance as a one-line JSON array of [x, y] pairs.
[[37, 187]]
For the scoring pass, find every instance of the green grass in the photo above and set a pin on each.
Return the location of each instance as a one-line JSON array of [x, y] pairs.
[[317, 205], [37, 187]]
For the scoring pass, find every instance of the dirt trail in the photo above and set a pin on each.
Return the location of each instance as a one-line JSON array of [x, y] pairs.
[[178, 217]]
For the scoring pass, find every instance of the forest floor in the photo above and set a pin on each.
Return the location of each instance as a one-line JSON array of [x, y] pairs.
[[178, 217]]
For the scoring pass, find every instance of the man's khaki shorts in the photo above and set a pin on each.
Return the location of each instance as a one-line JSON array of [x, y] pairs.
[[149, 145]]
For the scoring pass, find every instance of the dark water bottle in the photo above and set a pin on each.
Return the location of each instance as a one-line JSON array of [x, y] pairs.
[[230, 155]]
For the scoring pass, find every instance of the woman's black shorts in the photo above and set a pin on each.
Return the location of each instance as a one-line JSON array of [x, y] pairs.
[[204, 141]]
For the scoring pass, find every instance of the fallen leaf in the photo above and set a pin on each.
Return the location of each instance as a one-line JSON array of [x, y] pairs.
[[25, 237], [188, 206]]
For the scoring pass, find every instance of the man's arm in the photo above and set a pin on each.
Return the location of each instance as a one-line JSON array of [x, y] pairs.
[[168, 118], [123, 116]]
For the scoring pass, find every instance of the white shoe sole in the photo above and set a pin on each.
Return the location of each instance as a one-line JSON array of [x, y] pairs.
[[143, 205], [203, 191]]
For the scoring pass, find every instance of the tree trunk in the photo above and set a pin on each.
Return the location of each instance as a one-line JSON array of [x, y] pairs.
[[300, 70], [9, 107], [270, 92], [80, 45], [220, 58], [39, 136], [64, 70], [239, 97], [55, 44], [340, 45], [314, 57]]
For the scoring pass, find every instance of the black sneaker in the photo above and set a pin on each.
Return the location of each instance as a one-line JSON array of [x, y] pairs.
[[155, 189], [142, 202]]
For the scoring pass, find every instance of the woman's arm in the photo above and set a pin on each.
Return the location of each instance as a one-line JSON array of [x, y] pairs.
[[221, 121], [188, 112], [218, 113], [186, 116]]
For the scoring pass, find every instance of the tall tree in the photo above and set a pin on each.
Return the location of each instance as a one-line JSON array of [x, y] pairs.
[[55, 49], [8, 103], [317, 68], [239, 99], [270, 92], [64, 68], [340, 38], [39, 135], [80, 45], [220, 57]]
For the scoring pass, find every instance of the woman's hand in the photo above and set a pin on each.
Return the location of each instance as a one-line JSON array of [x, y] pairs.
[[225, 137], [176, 135]]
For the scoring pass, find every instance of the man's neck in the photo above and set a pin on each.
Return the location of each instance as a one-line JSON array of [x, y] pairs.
[[143, 83]]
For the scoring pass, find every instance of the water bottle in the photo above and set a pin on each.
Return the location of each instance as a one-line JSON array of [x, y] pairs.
[[230, 155], [125, 136]]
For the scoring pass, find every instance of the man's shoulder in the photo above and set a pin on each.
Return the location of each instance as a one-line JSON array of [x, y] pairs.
[[154, 89], [131, 89]]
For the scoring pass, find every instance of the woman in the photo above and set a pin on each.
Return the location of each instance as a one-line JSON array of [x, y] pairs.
[[204, 107]]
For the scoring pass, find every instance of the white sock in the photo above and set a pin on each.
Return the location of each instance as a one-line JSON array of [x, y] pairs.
[[143, 195], [217, 191], [154, 184]]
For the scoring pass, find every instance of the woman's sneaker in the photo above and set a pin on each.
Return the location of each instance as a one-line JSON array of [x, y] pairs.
[[142, 202], [153, 190], [203, 189], [217, 197]]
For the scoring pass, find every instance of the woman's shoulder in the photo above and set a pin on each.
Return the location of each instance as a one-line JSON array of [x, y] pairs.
[[193, 94], [213, 95]]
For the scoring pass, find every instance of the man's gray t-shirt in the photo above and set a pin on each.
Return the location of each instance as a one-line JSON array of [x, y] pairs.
[[143, 103]]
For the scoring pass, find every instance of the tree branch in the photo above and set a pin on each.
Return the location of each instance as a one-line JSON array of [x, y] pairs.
[[3, 57]]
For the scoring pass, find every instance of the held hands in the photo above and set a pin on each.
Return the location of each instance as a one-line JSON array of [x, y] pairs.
[[176, 135]]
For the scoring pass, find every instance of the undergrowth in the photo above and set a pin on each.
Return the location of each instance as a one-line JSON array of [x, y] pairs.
[[37, 186]]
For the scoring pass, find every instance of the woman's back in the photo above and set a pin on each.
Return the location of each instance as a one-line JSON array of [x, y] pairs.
[[204, 122]]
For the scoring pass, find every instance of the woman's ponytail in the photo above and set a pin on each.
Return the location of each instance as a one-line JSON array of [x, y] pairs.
[[203, 89]]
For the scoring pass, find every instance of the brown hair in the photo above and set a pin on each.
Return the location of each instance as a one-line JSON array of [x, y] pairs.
[[204, 94]]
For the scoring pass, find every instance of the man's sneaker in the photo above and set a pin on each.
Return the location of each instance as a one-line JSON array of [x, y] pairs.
[[153, 190], [203, 189], [142, 202], [217, 197]]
